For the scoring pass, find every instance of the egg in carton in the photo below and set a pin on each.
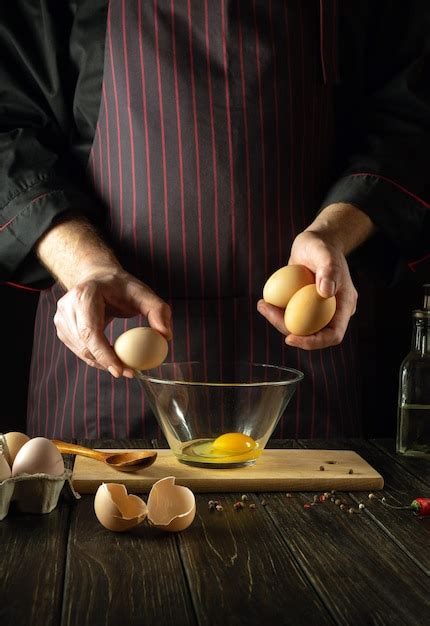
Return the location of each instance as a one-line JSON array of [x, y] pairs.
[[32, 475]]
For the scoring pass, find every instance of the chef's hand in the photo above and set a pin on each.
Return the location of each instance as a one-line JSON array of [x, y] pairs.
[[332, 277], [97, 290], [323, 247], [86, 309]]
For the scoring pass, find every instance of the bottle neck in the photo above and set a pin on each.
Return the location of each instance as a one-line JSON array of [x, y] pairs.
[[421, 336]]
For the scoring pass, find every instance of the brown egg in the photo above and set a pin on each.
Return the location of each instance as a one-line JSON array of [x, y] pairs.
[[38, 456], [307, 312], [14, 442], [284, 283], [117, 510], [171, 507], [141, 348]]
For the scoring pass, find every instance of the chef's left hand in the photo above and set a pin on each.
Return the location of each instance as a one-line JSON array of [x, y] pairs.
[[321, 255]]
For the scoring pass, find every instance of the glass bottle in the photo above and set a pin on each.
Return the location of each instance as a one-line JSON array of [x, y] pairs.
[[413, 420]]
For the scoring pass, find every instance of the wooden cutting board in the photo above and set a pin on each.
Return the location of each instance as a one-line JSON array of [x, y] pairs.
[[275, 470]]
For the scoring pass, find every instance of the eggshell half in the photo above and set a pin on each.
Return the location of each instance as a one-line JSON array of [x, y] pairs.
[[14, 443], [38, 456], [307, 312], [171, 507], [141, 348], [116, 510], [4, 468], [284, 283]]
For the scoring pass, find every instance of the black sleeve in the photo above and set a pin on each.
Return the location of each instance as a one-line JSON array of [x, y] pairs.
[[386, 174], [38, 178]]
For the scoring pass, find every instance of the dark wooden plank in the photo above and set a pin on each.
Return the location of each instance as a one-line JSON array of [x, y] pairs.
[[32, 562], [241, 572], [417, 466], [116, 578], [159, 443], [359, 573], [239, 569], [409, 532], [115, 443], [282, 443]]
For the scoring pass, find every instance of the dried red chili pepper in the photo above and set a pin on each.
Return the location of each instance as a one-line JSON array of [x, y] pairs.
[[421, 506]]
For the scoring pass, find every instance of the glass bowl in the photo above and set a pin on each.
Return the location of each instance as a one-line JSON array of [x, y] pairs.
[[196, 403]]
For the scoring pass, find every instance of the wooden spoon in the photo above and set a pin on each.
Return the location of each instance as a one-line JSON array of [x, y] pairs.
[[130, 461]]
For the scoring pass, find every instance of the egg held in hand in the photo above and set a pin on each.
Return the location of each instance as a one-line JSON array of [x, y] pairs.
[[307, 312], [141, 348], [285, 282]]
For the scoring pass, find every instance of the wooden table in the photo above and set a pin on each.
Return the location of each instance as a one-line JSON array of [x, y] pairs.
[[276, 564]]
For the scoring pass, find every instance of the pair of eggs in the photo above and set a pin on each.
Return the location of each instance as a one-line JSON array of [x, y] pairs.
[[293, 289], [22, 455]]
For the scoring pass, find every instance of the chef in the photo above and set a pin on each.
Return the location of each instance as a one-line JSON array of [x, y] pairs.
[[160, 159]]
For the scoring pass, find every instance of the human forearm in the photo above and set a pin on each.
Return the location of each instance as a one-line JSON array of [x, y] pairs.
[[97, 289], [73, 251], [343, 226]]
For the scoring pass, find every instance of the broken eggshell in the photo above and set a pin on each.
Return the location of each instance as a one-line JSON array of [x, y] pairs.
[[117, 510], [171, 507]]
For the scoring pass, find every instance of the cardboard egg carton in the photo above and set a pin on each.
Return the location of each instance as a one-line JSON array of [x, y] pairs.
[[34, 493]]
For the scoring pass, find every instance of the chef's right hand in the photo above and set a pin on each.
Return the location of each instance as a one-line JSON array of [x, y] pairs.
[[85, 310]]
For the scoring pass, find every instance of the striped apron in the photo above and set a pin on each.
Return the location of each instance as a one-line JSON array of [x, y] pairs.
[[212, 151]]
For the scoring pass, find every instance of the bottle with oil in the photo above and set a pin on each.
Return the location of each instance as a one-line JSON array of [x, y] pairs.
[[413, 422]]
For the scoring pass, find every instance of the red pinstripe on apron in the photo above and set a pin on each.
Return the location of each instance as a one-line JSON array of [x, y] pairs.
[[211, 152]]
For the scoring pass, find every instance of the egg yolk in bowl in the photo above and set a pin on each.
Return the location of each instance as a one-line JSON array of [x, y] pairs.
[[234, 443]]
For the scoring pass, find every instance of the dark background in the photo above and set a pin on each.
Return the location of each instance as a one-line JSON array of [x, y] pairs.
[[384, 315]]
